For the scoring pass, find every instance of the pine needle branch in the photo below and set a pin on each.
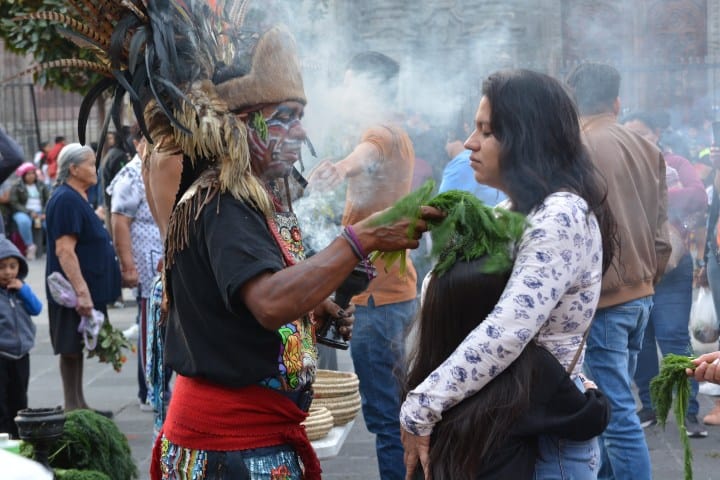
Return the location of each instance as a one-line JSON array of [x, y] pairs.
[[673, 379]]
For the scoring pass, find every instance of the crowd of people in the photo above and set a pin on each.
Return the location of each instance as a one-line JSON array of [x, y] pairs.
[[527, 372]]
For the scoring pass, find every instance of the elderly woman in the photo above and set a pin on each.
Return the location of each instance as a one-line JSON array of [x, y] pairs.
[[28, 197], [80, 248]]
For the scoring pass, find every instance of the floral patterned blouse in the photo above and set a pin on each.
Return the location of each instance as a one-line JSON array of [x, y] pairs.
[[551, 296]]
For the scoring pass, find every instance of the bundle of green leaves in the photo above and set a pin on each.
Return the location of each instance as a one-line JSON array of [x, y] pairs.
[[111, 346], [472, 230], [91, 443], [469, 230], [673, 379]]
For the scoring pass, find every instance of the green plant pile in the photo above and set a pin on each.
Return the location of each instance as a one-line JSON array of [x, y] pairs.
[[91, 443], [469, 230], [111, 346], [673, 379]]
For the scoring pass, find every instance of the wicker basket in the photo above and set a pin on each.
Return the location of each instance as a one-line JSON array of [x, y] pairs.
[[331, 384], [343, 409], [318, 423]]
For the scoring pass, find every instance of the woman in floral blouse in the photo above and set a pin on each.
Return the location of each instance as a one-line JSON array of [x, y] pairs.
[[527, 144]]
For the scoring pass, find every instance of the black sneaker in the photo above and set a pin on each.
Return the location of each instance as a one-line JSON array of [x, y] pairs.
[[694, 428], [648, 418]]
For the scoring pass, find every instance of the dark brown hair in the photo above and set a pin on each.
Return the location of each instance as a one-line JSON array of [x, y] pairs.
[[455, 303], [537, 125]]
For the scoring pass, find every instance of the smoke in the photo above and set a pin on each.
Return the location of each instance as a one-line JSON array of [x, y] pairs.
[[446, 48], [443, 57]]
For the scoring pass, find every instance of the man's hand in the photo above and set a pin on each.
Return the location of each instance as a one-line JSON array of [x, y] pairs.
[[708, 368], [394, 236], [328, 310], [15, 284], [326, 176], [130, 277], [700, 277], [417, 448]]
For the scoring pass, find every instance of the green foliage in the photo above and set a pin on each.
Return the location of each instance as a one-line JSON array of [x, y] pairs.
[[90, 442], [673, 379], [408, 206], [470, 229], [38, 39], [62, 474], [111, 346]]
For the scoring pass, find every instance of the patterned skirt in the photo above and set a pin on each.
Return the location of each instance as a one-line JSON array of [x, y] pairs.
[[268, 463]]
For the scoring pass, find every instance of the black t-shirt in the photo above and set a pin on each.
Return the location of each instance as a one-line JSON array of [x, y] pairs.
[[210, 334]]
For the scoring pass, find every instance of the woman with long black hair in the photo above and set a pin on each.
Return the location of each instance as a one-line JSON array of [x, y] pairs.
[[527, 144]]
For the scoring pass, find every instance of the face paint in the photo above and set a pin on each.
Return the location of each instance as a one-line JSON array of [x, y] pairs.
[[276, 140]]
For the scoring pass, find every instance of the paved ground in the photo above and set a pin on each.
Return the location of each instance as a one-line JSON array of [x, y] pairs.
[[107, 389]]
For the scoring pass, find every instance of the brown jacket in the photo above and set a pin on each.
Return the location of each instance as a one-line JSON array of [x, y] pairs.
[[637, 193]]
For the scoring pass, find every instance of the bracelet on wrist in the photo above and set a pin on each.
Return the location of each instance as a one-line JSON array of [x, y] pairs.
[[353, 236], [350, 236], [351, 242]]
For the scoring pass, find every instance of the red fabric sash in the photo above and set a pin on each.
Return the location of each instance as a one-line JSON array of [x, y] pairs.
[[206, 416]]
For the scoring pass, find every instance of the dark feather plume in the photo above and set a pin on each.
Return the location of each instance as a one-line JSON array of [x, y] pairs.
[[95, 92]]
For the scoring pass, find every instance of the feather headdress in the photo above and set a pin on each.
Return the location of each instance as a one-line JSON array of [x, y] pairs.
[[188, 67]]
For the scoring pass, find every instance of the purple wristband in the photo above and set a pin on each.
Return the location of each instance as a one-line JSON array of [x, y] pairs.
[[351, 232]]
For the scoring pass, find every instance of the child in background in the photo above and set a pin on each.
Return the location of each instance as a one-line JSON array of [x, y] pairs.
[[17, 334]]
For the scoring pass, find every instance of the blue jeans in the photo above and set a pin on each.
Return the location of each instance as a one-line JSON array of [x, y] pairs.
[[613, 345], [668, 325], [562, 459], [23, 222], [378, 350]]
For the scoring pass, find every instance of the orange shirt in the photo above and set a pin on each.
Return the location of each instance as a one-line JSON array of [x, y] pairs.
[[379, 186]]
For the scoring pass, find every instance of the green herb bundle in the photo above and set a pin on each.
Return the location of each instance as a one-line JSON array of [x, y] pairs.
[[469, 230], [673, 379]]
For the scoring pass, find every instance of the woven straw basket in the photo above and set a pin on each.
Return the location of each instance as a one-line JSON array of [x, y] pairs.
[[338, 392], [331, 384], [318, 423], [343, 409]]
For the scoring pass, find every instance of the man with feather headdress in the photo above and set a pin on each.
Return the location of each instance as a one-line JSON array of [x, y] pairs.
[[218, 85]]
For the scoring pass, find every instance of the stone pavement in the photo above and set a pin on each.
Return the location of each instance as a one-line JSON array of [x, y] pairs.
[[106, 389]]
